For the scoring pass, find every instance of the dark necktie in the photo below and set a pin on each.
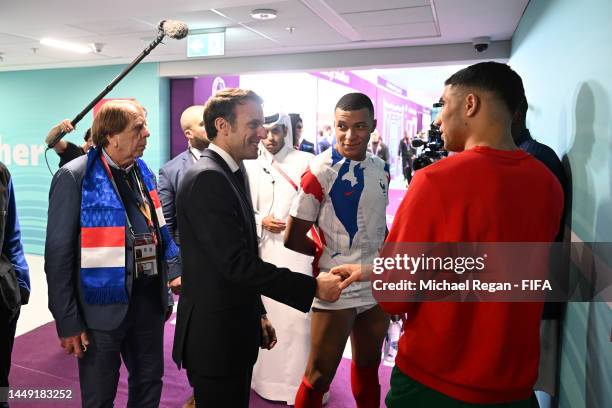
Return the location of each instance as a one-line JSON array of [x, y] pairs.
[[130, 180], [239, 177]]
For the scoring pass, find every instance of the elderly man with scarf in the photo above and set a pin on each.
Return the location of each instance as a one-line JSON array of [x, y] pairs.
[[108, 259]]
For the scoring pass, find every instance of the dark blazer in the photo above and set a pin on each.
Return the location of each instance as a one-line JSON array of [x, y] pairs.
[[307, 146], [542, 152], [382, 151], [218, 327], [170, 176], [63, 259]]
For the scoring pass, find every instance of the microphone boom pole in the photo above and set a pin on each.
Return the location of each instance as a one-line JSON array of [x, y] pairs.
[[176, 30]]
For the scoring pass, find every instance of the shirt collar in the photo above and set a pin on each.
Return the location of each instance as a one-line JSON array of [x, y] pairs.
[[197, 153], [113, 164], [524, 136], [279, 156], [225, 156]]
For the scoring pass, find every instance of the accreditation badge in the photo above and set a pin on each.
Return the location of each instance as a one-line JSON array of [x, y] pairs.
[[145, 255]]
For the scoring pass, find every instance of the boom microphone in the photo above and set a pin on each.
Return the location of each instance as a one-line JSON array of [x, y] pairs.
[[174, 29], [170, 28]]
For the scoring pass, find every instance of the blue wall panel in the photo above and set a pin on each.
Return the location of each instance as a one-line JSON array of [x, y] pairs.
[[563, 50], [31, 102]]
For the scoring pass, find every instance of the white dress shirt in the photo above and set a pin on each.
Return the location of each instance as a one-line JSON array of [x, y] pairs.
[[225, 156]]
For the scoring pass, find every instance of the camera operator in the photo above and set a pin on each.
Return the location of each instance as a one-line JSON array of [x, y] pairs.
[[433, 148], [68, 151], [406, 152]]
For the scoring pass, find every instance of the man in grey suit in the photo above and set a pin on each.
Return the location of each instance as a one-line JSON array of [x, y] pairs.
[[171, 173], [108, 257]]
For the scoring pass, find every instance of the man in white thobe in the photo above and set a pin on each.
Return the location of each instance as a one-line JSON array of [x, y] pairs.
[[274, 179]]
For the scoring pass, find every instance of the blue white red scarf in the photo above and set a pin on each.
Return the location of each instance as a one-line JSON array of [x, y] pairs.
[[103, 237]]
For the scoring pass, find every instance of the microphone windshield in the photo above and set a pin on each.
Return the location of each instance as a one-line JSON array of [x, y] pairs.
[[417, 143], [174, 29]]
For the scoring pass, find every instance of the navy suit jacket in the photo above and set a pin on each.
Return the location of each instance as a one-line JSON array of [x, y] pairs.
[[542, 152], [170, 176], [307, 146], [63, 259]]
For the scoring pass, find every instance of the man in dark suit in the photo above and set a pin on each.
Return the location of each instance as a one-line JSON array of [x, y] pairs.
[[306, 146], [221, 321], [326, 139], [552, 315], [378, 148], [406, 152], [171, 174], [105, 259], [297, 126]]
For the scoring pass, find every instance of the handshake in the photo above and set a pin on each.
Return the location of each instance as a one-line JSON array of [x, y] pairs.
[[331, 284]]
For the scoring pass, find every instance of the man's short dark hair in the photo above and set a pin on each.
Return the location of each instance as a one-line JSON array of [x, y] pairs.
[[521, 111], [223, 105], [520, 118], [356, 101], [295, 119], [494, 77]]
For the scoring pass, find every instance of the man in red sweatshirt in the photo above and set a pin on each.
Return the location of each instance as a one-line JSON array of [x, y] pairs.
[[459, 354]]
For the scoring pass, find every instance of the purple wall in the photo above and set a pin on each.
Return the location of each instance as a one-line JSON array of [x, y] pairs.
[[188, 92], [392, 87], [348, 79], [181, 97], [392, 114], [393, 109], [205, 87]]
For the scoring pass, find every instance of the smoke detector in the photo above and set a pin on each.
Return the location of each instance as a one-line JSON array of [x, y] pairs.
[[264, 14]]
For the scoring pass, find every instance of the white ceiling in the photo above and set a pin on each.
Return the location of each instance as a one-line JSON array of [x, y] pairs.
[[126, 27], [423, 84]]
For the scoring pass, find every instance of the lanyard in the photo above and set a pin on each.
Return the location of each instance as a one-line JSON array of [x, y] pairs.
[[285, 175], [315, 234], [145, 208]]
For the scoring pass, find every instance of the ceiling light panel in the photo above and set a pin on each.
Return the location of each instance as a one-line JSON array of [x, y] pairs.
[[52, 31], [399, 31], [352, 6], [390, 17], [67, 45], [313, 31]]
